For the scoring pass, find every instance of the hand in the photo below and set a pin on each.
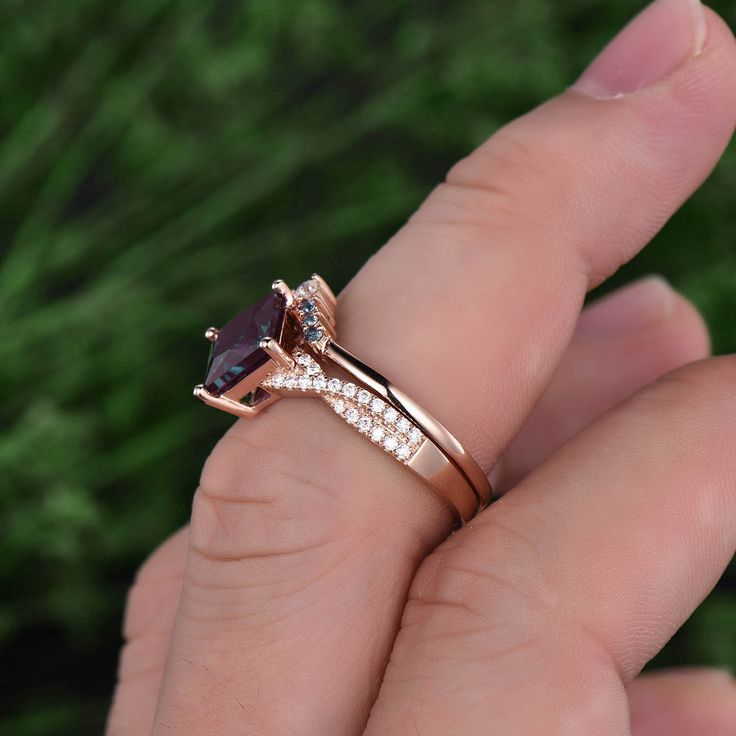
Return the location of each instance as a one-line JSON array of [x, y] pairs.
[[317, 594]]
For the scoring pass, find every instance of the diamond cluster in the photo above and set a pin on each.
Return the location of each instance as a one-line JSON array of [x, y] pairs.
[[369, 414]]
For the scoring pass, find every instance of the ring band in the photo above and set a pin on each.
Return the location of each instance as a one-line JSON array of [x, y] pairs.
[[285, 345]]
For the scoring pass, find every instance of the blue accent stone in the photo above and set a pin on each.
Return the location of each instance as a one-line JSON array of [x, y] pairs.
[[313, 334], [307, 306]]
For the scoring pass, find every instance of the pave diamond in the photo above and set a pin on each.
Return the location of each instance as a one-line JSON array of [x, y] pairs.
[[339, 406], [237, 352], [290, 382], [303, 359], [403, 452], [349, 390], [304, 382], [415, 435], [390, 443], [352, 416], [363, 396], [378, 406], [364, 424], [403, 425], [277, 380], [320, 383], [390, 415], [313, 369], [334, 385], [377, 434]]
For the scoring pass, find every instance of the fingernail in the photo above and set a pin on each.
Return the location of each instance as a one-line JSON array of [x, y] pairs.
[[653, 45], [632, 309]]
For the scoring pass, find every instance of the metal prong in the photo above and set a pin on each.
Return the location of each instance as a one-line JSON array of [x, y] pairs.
[[282, 287], [276, 352], [225, 404], [212, 333]]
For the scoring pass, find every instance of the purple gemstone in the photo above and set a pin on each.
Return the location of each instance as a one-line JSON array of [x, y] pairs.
[[237, 353]]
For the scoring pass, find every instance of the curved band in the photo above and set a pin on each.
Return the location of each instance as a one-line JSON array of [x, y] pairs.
[[450, 449]]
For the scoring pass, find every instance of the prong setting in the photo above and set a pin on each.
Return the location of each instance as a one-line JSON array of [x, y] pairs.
[[277, 353], [282, 288]]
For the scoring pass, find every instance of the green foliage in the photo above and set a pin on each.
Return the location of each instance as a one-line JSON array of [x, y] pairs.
[[158, 160]]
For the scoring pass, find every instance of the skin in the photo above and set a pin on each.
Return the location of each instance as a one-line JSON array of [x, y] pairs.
[[316, 591]]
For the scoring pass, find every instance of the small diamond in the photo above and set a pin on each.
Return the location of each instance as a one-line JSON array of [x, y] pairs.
[[313, 334], [307, 307], [313, 369], [390, 443], [277, 380], [363, 396], [311, 320], [378, 406], [404, 425], [303, 359], [391, 415], [334, 384], [339, 406], [364, 424], [308, 288], [377, 434], [304, 382], [290, 381], [352, 416], [349, 390], [403, 452], [320, 383], [414, 436]]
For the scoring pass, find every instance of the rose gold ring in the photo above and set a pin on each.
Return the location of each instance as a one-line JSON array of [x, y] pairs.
[[285, 345]]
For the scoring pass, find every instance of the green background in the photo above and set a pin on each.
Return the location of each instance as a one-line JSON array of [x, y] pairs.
[[160, 162]]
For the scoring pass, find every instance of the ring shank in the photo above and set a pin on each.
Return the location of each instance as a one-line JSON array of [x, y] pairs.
[[444, 463]]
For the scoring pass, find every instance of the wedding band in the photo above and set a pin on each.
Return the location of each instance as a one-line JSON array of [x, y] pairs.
[[285, 345]]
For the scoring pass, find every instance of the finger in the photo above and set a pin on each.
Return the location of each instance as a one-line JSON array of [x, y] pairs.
[[697, 702], [149, 621], [533, 618], [298, 523], [621, 343]]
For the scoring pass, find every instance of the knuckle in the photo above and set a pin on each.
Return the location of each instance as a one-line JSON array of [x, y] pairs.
[[490, 580], [271, 521], [506, 155], [510, 193], [512, 177], [262, 489]]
